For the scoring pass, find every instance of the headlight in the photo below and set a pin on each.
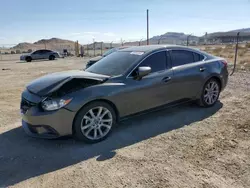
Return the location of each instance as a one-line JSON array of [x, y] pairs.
[[54, 104]]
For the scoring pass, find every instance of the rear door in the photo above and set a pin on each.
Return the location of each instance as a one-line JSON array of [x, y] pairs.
[[46, 54], [37, 54], [189, 73]]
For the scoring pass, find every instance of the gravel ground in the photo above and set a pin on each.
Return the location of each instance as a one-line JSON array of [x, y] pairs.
[[185, 146]]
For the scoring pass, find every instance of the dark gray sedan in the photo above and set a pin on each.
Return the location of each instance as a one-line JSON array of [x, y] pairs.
[[87, 104], [40, 54]]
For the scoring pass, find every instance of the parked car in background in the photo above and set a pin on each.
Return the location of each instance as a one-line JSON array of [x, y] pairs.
[[108, 52], [40, 54], [89, 103]]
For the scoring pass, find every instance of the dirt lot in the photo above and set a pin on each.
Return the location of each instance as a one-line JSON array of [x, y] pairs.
[[186, 146]]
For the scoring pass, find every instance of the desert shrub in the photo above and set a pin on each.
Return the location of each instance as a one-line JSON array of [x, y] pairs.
[[242, 52], [244, 62], [229, 46], [18, 51], [29, 50], [12, 52], [230, 56], [217, 51], [241, 47], [247, 45]]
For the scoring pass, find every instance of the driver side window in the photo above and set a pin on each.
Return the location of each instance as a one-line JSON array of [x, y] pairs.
[[157, 62]]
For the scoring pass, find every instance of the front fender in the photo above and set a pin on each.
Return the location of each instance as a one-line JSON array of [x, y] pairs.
[[106, 91]]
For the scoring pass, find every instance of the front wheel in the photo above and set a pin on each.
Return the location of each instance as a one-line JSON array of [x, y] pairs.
[[28, 59], [51, 57], [94, 122], [210, 93]]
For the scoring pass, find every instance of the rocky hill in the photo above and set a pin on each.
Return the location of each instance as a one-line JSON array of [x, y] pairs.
[[52, 44]]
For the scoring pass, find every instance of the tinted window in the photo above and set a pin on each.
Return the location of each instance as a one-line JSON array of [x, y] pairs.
[[117, 63], [157, 62], [182, 57], [109, 52], [37, 52], [45, 51], [198, 57]]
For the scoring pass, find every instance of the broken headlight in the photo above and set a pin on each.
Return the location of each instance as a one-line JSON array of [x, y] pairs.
[[54, 104]]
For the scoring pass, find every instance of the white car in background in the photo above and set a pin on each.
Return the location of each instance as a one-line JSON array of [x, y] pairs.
[[40, 54]]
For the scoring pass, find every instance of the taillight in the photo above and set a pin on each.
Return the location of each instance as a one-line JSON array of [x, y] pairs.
[[224, 63]]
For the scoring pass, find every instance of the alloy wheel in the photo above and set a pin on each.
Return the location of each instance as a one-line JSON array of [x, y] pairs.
[[211, 92], [96, 123]]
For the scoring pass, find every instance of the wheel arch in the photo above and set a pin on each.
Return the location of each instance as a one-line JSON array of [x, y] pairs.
[[97, 100], [214, 76], [217, 78], [28, 57]]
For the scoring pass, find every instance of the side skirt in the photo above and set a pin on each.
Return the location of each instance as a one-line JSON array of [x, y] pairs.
[[172, 104]]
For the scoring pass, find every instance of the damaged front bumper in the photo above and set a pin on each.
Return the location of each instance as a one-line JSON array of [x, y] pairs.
[[44, 124]]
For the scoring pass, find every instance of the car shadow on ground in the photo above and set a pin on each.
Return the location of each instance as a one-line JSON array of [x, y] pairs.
[[39, 60], [23, 157]]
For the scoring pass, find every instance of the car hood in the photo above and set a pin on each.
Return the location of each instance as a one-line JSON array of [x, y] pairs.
[[95, 59], [47, 84]]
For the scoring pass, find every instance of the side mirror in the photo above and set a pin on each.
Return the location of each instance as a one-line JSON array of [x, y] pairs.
[[143, 71]]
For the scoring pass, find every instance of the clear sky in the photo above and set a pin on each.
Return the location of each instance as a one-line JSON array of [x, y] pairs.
[[111, 20]]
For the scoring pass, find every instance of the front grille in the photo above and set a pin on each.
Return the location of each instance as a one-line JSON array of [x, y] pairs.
[[26, 105]]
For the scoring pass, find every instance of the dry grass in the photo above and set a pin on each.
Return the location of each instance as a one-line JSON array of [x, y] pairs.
[[228, 52]]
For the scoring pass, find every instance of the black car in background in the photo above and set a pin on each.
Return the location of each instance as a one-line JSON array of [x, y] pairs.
[[97, 58]]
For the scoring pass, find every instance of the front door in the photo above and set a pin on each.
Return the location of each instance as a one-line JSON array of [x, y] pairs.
[[152, 90]]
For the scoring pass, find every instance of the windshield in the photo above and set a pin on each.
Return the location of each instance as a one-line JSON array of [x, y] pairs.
[[115, 64], [109, 52]]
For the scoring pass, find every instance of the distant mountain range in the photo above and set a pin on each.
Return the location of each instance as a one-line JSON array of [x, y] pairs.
[[245, 30], [167, 38], [53, 43]]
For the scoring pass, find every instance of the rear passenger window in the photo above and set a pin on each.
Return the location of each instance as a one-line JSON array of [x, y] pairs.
[[157, 62], [197, 57], [182, 57]]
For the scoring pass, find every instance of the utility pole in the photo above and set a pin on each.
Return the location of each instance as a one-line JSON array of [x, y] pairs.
[[140, 42], [236, 52], [94, 46], [88, 49], [147, 29], [188, 39], [101, 47]]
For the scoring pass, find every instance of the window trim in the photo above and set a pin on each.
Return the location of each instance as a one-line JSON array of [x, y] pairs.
[[164, 50], [192, 51]]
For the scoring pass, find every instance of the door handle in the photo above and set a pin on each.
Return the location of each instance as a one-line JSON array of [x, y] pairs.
[[166, 79], [202, 69]]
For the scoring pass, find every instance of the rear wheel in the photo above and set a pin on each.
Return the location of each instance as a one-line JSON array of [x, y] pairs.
[[51, 57], [28, 59], [94, 122], [210, 93]]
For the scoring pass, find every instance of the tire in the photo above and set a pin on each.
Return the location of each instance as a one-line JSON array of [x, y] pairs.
[[206, 99], [88, 129], [28, 59], [51, 57]]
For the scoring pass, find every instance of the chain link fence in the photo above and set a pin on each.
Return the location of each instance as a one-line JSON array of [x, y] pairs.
[[232, 48]]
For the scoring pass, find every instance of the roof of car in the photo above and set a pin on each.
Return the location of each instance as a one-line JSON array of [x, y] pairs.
[[150, 48]]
